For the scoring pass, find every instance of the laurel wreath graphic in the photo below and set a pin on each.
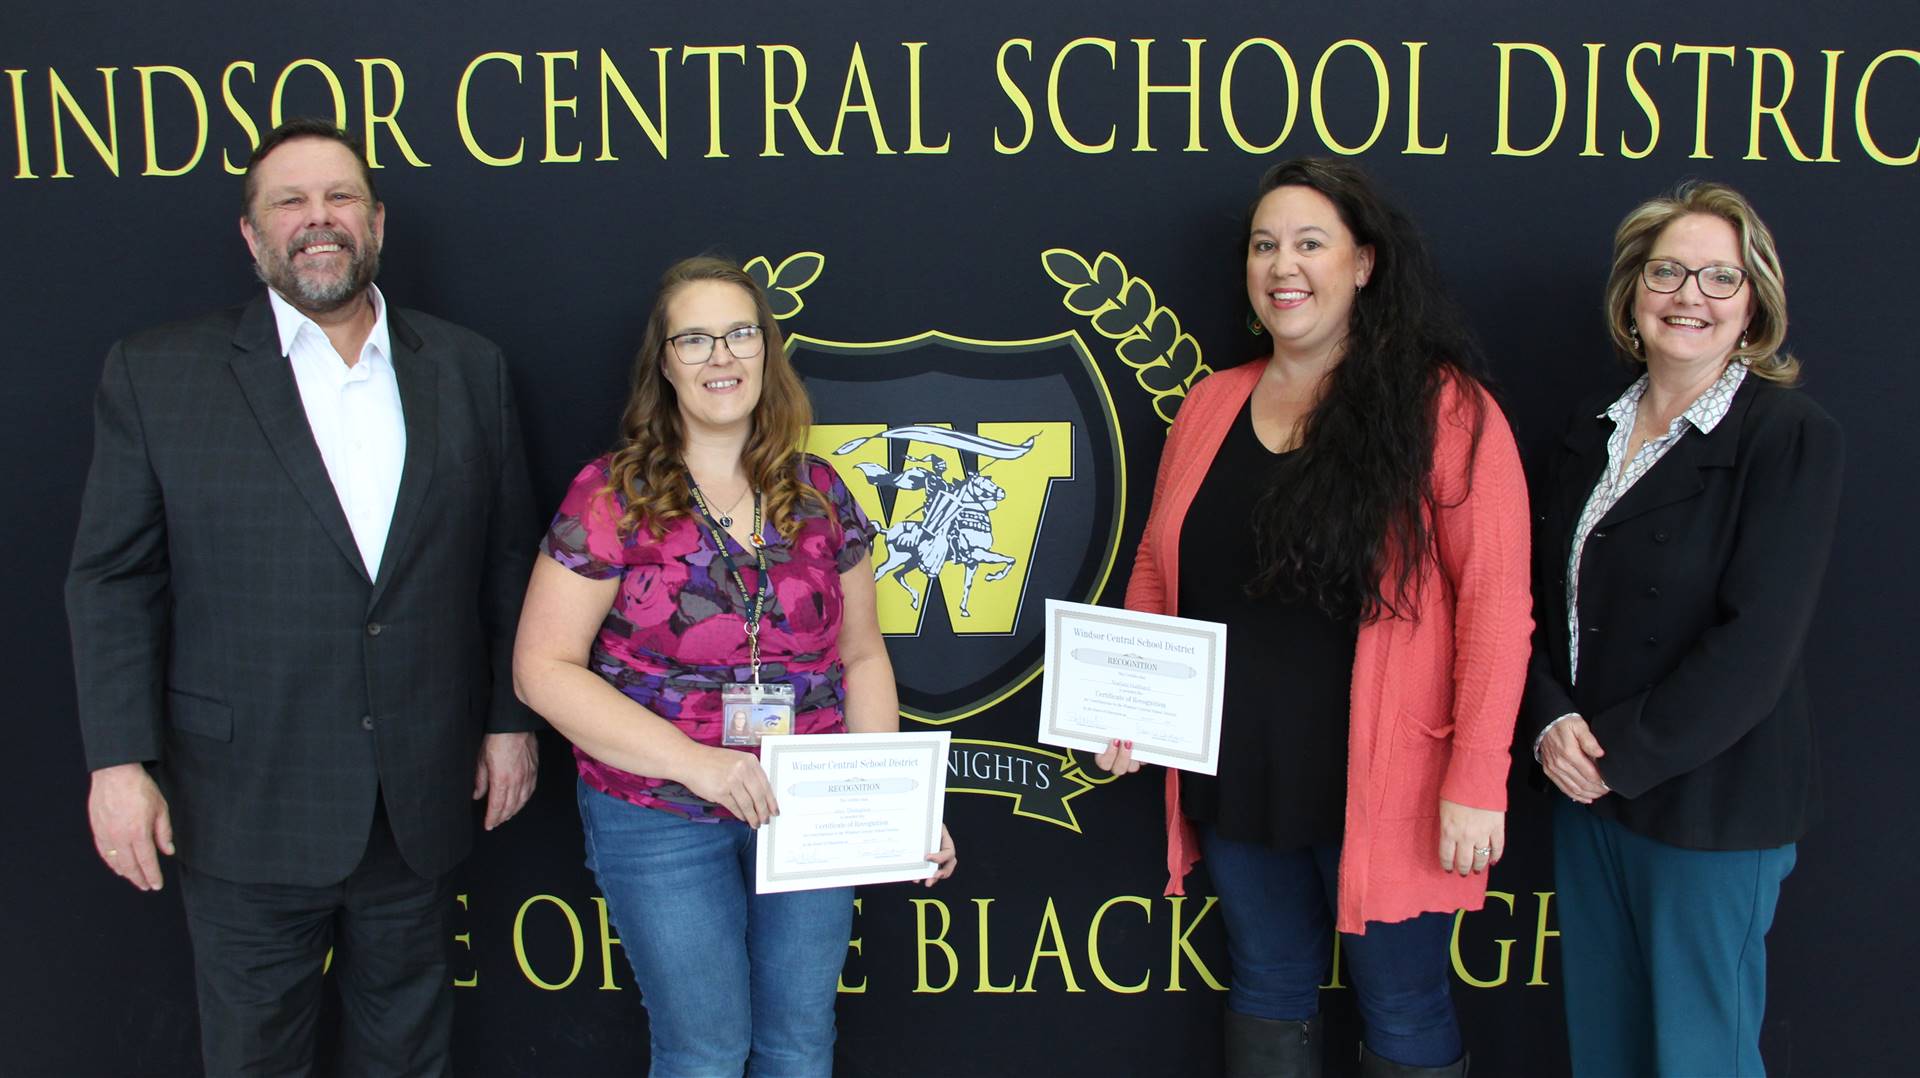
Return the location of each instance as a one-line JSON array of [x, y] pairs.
[[1165, 359], [784, 284]]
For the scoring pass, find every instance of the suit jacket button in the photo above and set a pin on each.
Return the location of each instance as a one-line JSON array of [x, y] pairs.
[[366, 722], [1599, 535], [1594, 629], [1653, 592], [1659, 537], [374, 628], [1652, 640]]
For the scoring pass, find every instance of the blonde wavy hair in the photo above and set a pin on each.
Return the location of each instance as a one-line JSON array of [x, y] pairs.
[[1633, 244], [647, 469]]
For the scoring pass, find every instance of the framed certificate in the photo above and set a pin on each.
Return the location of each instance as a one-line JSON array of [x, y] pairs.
[[854, 808], [1147, 678]]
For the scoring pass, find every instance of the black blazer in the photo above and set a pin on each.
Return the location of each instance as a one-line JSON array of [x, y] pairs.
[[1696, 590], [225, 629]]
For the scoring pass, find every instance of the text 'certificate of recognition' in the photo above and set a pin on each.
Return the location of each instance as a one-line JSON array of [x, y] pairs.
[[854, 808], [1147, 678]]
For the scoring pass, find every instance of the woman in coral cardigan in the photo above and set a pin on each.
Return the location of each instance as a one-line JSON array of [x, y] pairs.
[[1353, 508]]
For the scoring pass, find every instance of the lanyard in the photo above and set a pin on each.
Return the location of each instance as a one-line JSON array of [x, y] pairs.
[[756, 602]]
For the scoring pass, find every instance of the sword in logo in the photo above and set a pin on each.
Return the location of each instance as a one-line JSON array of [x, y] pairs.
[[955, 524]]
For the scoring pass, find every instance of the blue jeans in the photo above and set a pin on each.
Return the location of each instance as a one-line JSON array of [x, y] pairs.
[[1279, 905], [1663, 950], [730, 979]]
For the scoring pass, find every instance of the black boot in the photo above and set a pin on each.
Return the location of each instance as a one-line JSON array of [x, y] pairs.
[[1372, 1066], [1272, 1048]]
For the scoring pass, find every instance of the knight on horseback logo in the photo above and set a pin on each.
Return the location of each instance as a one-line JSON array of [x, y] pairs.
[[994, 473], [955, 522]]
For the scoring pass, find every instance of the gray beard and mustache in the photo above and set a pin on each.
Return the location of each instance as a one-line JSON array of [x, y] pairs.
[[312, 291]]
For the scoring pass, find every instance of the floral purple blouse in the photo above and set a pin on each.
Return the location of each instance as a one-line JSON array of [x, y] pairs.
[[677, 628]]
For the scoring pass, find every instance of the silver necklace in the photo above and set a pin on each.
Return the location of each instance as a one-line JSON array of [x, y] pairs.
[[725, 517]]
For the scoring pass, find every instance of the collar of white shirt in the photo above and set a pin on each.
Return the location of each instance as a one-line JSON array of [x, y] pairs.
[[1704, 414], [291, 323]]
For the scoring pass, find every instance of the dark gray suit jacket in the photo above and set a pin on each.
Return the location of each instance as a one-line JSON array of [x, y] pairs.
[[1696, 591], [226, 632]]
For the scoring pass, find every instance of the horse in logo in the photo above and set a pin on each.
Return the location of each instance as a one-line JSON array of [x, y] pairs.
[[955, 525]]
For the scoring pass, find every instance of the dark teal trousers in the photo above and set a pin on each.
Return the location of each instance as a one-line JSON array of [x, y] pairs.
[[1664, 950]]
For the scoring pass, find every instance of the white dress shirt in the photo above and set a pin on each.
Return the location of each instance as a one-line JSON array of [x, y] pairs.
[[355, 415]]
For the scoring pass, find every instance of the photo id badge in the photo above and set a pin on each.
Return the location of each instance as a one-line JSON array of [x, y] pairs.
[[750, 712]]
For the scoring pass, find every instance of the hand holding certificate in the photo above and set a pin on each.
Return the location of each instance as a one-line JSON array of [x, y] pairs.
[[1150, 679], [854, 808]]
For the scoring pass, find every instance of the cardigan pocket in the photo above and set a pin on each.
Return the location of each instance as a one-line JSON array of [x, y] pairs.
[[1416, 761]]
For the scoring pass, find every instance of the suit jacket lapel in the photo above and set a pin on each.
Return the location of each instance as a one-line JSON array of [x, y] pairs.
[[266, 379], [419, 380], [1586, 443], [1681, 473]]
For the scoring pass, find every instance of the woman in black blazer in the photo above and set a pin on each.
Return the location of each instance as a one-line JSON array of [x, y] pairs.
[[1684, 526]]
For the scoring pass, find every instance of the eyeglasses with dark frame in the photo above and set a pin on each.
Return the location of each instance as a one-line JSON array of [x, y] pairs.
[[1716, 282], [693, 349]]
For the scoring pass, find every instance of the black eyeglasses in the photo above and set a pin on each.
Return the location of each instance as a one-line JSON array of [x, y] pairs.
[[1716, 282], [693, 349]]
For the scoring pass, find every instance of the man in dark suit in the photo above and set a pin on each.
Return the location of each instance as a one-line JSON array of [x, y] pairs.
[[301, 553]]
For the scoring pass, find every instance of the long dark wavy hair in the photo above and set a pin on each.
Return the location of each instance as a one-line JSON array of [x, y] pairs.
[[1351, 526], [647, 469]]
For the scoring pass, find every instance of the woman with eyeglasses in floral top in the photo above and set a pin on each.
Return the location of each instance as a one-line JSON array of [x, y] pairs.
[[704, 554]]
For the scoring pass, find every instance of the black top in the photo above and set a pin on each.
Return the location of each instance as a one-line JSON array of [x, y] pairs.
[[1283, 741], [1697, 591]]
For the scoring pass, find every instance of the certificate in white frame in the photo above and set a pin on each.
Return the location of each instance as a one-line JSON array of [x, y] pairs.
[[854, 809], [1155, 680]]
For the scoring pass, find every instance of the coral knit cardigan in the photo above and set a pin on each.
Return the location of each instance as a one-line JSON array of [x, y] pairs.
[[1433, 698]]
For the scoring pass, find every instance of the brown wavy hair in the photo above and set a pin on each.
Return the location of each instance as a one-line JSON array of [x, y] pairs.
[[1633, 245], [647, 470]]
